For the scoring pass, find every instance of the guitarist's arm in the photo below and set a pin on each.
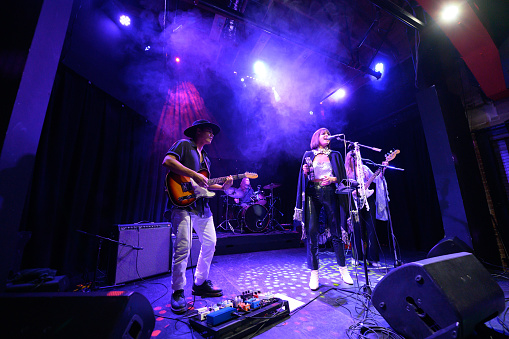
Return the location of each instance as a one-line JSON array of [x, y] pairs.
[[176, 167]]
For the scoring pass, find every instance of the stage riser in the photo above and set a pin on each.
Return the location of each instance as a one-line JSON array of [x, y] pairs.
[[246, 243]]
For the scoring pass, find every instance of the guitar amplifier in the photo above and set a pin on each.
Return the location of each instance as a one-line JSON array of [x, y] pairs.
[[145, 250]]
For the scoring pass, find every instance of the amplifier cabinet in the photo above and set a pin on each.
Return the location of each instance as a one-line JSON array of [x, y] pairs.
[[152, 256]]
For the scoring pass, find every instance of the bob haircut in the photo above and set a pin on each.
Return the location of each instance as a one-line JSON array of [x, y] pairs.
[[315, 139]]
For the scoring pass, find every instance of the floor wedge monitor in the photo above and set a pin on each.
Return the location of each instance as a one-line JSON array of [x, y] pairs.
[[440, 297]]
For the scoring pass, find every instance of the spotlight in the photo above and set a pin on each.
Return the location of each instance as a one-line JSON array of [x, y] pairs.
[[125, 20], [339, 94], [311, 113], [177, 59], [450, 13], [147, 48], [242, 79], [379, 67], [260, 69]]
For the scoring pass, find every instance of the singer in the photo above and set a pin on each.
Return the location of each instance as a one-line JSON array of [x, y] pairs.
[[321, 170]]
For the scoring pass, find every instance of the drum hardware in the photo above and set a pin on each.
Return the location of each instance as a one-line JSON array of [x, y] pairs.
[[273, 223], [226, 222]]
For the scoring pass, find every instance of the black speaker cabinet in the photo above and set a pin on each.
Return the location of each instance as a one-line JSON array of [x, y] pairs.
[[152, 256], [449, 246], [114, 314], [440, 297]]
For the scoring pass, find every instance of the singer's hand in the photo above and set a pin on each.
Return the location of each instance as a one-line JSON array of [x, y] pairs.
[[327, 181], [305, 169]]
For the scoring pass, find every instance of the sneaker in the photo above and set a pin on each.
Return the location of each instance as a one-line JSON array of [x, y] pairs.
[[207, 290], [376, 264], [345, 275], [178, 302], [313, 280]]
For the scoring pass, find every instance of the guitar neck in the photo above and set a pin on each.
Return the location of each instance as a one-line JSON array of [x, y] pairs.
[[221, 180], [370, 180]]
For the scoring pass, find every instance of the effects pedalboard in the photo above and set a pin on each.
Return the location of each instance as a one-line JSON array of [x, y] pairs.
[[236, 318]]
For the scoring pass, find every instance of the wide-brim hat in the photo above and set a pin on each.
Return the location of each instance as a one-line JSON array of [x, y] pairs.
[[191, 130]]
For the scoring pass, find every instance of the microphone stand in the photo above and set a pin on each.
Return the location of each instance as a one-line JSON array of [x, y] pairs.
[[341, 137], [94, 287], [397, 262]]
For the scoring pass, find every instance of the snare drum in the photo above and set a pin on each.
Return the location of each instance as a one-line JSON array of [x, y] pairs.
[[255, 218]]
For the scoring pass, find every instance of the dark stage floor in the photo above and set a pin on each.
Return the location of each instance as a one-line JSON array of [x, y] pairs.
[[333, 311]]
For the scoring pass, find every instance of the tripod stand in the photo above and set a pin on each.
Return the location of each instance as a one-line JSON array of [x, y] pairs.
[[226, 222], [273, 223]]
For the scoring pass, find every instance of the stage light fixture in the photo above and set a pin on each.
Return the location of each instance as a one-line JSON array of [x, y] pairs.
[[339, 94], [147, 48], [260, 69], [311, 113], [177, 59], [379, 67], [242, 79], [124, 20], [450, 13]]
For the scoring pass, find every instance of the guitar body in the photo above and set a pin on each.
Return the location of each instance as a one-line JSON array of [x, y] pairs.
[[183, 191]]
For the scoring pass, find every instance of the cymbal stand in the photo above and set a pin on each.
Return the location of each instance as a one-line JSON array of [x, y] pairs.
[[273, 223], [226, 222]]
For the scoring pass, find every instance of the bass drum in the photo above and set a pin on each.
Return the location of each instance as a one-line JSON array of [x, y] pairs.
[[255, 218]]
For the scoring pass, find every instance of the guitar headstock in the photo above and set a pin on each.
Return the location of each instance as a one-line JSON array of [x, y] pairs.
[[251, 175], [391, 155]]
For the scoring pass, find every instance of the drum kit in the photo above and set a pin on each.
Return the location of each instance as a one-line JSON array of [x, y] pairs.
[[257, 215]]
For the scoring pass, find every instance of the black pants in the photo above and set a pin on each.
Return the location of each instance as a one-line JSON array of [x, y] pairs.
[[317, 197], [367, 220]]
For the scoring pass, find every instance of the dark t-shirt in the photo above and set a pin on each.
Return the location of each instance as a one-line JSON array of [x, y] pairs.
[[187, 154]]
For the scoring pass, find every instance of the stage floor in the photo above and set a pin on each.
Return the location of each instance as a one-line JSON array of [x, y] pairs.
[[333, 311]]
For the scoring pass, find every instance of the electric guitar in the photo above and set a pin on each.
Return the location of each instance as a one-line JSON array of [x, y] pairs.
[[183, 191], [388, 157]]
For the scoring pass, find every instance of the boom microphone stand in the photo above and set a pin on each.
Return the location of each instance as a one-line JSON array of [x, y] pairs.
[[356, 216], [94, 287], [397, 262]]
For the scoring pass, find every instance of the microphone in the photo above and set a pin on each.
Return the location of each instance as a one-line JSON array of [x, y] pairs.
[[330, 137]]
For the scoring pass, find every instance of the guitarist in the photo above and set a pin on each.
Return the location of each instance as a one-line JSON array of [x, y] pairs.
[[186, 157], [377, 210]]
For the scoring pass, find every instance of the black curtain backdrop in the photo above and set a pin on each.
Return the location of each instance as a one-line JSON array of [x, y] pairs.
[[96, 167]]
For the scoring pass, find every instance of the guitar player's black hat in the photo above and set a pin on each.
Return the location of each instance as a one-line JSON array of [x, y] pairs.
[[190, 131]]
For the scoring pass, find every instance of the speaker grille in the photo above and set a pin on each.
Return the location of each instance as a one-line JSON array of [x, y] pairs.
[[152, 259]]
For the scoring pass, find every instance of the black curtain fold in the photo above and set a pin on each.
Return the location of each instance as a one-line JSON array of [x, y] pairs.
[[95, 168]]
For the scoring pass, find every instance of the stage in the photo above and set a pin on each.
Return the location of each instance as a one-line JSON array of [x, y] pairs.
[[335, 310]]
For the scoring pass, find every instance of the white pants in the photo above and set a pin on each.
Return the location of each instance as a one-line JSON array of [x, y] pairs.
[[182, 221]]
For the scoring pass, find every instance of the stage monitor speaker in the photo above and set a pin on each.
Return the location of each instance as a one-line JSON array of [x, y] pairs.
[[153, 257], [114, 314], [449, 246], [441, 297]]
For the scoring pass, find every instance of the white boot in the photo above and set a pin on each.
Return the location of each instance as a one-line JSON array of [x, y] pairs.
[[347, 279], [313, 280]]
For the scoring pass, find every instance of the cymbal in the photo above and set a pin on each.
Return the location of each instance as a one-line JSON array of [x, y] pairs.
[[271, 186], [235, 193]]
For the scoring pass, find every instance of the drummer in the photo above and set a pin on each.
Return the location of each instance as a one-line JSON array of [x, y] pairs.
[[247, 193]]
